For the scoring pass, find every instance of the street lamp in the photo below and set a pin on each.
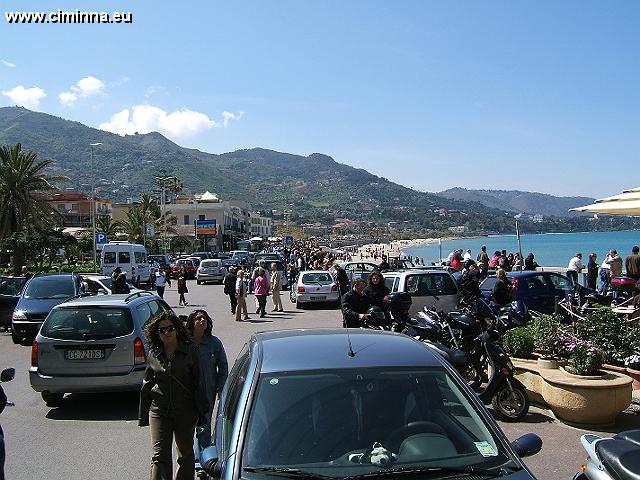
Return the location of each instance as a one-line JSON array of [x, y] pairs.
[[162, 181], [93, 204]]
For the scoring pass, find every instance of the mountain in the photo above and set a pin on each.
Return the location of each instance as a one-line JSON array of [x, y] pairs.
[[314, 188], [531, 203]]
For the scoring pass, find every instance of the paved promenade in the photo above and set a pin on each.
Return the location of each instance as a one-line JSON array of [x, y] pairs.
[[97, 437]]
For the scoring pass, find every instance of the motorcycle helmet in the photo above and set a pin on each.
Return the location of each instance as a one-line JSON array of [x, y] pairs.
[[377, 317]]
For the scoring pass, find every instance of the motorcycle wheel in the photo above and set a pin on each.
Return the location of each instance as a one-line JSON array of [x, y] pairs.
[[510, 405], [473, 374]]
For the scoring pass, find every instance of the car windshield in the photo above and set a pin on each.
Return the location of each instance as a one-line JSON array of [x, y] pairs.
[[11, 286], [89, 323], [322, 278], [327, 422], [39, 288], [488, 284]]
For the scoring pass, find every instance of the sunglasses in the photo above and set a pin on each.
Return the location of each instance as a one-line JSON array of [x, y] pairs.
[[168, 329]]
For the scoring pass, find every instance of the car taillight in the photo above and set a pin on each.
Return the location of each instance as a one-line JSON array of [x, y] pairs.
[[139, 357], [334, 288], [34, 354], [301, 289], [514, 284]]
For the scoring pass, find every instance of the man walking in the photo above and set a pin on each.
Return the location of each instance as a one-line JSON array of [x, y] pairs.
[[575, 267], [276, 286], [632, 264], [162, 280], [229, 283]]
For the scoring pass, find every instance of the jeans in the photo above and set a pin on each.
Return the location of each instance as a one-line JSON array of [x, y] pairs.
[[572, 275], [204, 436], [234, 301], [160, 291], [262, 303]]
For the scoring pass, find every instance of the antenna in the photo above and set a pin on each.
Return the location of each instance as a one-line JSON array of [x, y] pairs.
[[351, 353]]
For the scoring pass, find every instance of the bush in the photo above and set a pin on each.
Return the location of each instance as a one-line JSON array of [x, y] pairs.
[[547, 331], [519, 342], [609, 333], [586, 359]]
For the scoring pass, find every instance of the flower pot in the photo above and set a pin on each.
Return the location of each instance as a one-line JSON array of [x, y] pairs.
[[635, 375], [614, 368]]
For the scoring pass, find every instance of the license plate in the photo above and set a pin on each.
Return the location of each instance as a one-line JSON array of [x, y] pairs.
[[319, 299], [83, 354]]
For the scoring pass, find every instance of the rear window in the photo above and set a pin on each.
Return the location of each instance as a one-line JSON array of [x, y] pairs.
[[210, 263], [50, 288], [87, 323], [321, 278], [11, 286], [431, 284]]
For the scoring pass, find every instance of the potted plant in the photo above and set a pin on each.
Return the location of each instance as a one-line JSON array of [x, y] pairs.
[[633, 370], [610, 334]]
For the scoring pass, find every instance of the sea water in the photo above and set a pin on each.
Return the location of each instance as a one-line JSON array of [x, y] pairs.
[[549, 249]]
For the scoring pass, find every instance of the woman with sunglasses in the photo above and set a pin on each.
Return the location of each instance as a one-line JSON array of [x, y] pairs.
[[213, 366], [171, 400]]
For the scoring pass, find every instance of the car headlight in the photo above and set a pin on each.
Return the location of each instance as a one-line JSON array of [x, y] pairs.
[[19, 315]]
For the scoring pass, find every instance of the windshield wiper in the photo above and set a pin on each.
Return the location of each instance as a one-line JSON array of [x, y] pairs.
[[471, 470], [289, 472]]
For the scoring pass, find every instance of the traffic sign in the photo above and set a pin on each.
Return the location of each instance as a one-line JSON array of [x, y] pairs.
[[287, 240], [101, 238]]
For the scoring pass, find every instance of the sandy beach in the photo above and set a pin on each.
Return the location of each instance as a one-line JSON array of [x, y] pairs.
[[374, 251]]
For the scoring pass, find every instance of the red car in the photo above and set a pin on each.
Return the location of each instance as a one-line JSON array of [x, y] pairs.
[[189, 266]]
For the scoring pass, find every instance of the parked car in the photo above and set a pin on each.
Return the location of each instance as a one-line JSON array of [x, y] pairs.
[[267, 257], [100, 285], [189, 266], [196, 260], [336, 403], [315, 286], [210, 271], [163, 259], [10, 288], [40, 294], [434, 289], [538, 290], [230, 262], [130, 257], [93, 344], [357, 270]]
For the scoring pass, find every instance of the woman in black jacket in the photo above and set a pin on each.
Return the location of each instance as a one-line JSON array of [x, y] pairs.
[[376, 290], [171, 399], [501, 293]]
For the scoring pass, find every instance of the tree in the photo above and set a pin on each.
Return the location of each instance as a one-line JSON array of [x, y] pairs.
[[106, 225], [42, 245], [21, 174]]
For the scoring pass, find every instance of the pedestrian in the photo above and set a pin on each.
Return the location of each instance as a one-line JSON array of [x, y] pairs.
[[483, 260], [241, 297], [592, 271], [342, 279], [376, 290], [384, 264], [615, 264], [214, 367], [631, 264], [467, 255], [119, 281], [261, 290], [162, 280], [575, 267], [605, 274], [171, 398], [229, 283], [276, 287], [24, 272], [493, 263], [530, 263], [182, 286], [501, 293], [355, 305]]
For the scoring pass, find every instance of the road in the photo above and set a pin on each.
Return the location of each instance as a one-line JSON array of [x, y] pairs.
[[97, 437]]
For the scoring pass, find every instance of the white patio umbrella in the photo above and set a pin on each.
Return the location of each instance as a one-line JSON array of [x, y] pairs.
[[627, 203]]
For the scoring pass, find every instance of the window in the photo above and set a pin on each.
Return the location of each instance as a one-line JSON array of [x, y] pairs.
[[144, 313], [187, 220], [109, 257], [201, 217], [124, 257], [140, 257], [429, 285], [87, 323], [388, 282], [560, 283], [237, 378]]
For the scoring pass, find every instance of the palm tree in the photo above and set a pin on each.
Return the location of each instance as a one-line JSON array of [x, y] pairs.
[[106, 225], [21, 174], [134, 224]]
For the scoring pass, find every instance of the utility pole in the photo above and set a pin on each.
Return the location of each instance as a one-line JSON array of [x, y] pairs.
[[93, 205]]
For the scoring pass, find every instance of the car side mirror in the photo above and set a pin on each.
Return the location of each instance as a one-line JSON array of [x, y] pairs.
[[7, 374], [527, 445], [209, 461]]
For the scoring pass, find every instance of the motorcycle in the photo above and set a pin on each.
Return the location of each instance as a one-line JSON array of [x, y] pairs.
[[615, 458], [7, 375], [506, 394]]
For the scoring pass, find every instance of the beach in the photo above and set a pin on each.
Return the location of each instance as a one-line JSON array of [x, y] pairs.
[[374, 251]]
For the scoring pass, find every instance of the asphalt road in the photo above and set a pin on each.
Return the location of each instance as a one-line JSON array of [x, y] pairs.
[[97, 437]]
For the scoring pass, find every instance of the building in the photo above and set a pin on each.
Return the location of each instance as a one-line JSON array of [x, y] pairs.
[[75, 207], [261, 226]]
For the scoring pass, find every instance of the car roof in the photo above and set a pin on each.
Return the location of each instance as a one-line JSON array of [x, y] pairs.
[[413, 271], [53, 276], [314, 271], [312, 349], [117, 300]]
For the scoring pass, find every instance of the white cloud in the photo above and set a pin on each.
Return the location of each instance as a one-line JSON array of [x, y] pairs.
[[25, 97], [86, 87], [228, 116], [8, 64]]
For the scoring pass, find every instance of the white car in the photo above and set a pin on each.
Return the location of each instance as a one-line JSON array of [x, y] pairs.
[[315, 286], [428, 288], [210, 271]]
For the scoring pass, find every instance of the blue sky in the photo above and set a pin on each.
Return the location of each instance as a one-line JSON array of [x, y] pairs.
[[531, 95]]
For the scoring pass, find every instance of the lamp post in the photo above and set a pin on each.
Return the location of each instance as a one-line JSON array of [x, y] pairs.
[[162, 181], [93, 204]]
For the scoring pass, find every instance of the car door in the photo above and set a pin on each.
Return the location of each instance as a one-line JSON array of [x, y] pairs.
[[433, 290], [560, 285], [538, 293], [392, 282]]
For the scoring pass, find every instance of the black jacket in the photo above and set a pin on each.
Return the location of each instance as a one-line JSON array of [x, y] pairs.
[[501, 293], [343, 280], [230, 283], [376, 293], [354, 304]]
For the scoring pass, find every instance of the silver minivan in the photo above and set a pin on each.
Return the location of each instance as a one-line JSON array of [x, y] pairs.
[[434, 289], [93, 344]]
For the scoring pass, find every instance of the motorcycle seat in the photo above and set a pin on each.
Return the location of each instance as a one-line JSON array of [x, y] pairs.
[[457, 358], [621, 457], [632, 436]]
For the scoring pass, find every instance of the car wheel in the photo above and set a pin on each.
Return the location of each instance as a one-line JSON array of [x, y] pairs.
[[198, 282], [298, 305], [52, 399], [16, 338]]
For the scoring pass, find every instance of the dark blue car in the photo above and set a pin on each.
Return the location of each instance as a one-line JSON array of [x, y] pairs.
[[538, 290]]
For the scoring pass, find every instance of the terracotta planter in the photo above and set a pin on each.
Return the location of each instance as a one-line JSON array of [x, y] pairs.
[[592, 401], [635, 376]]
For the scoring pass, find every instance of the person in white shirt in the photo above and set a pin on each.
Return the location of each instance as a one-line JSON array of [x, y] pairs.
[[467, 255], [162, 279], [575, 267]]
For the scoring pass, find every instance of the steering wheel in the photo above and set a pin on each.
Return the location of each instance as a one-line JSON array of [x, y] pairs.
[[396, 437]]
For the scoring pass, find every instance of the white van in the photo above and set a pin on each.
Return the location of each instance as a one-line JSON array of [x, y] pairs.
[[130, 257]]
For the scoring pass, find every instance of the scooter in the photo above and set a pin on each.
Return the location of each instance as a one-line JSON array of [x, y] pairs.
[[615, 458], [506, 394]]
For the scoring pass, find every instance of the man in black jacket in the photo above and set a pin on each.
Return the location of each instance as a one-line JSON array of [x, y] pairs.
[[230, 288], [355, 305]]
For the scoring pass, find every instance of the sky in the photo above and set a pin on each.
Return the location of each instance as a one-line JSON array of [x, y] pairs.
[[529, 95]]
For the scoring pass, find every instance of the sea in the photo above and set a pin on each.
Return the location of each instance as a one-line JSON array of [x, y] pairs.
[[549, 249]]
